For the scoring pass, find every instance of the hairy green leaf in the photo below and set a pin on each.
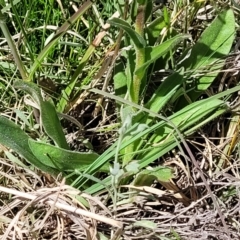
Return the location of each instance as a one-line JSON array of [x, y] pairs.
[[12, 136], [138, 41], [213, 46], [60, 158], [48, 113]]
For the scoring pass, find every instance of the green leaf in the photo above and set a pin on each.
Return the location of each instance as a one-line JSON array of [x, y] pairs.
[[66, 93], [48, 113], [101, 236], [60, 158], [145, 224], [149, 9], [213, 45], [138, 41], [12, 136], [184, 120], [154, 53], [151, 153], [52, 124], [129, 70], [165, 92], [147, 177], [166, 16], [15, 160], [9, 6], [120, 84], [31, 89], [154, 29]]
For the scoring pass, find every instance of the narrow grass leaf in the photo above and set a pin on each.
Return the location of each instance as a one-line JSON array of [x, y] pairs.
[[62, 30], [9, 6], [165, 146], [67, 92], [15, 160], [12, 46]]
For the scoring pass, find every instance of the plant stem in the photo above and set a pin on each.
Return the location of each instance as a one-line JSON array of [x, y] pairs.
[[12, 47], [140, 54]]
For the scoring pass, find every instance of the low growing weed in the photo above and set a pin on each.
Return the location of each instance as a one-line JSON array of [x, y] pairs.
[[155, 114]]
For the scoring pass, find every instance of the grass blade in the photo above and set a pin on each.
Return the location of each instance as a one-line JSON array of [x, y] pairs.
[[62, 30]]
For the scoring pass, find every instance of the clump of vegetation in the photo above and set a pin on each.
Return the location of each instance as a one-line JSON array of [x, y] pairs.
[[108, 115]]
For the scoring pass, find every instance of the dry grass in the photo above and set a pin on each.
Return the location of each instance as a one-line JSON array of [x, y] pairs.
[[38, 207]]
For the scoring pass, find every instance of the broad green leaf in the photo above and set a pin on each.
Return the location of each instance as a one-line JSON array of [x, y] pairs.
[[48, 113], [12, 136], [60, 158], [147, 177], [138, 41], [129, 70], [156, 26], [214, 44], [52, 124], [153, 53], [120, 84]]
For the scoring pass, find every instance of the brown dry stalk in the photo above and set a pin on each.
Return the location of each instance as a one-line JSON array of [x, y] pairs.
[[61, 206]]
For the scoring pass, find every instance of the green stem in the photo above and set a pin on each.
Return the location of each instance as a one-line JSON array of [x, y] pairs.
[[138, 79], [12, 47], [140, 54]]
